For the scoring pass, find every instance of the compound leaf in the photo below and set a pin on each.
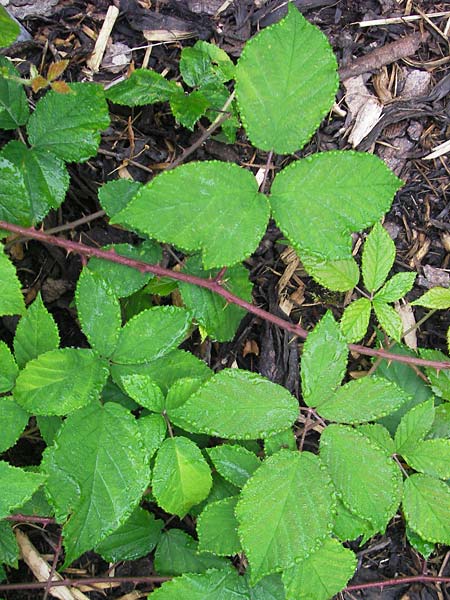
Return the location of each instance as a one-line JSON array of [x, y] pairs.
[[151, 334], [11, 299], [436, 298], [97, 472], [355, 319], [320, 200], [389, 319], [235, 463], [8, 369], [142, 87], [283, 494], [236, 404], [324, 361], [217, 528], [362, 400], [426, 504], [98, 311], [17, 487], [14, 420], [287, 70], [368, 481], [396, 287], [181, 476], [45, 177], [35, 334], [377, 257], [322, 574], [414, 426], [60, 381], [14, 109], [69, 125], [193, 206], [431, 457]]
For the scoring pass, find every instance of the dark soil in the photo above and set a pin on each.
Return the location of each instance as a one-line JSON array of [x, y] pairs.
[[144, 141]]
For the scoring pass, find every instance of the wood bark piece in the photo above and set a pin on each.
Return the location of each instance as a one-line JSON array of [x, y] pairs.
[[96, 57], [41, 569]]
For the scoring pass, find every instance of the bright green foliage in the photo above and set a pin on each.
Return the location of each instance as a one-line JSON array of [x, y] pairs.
[[235, 463], [177, 554], [355, 319], [436, 298], [49, 427], [97, 473], [115, 195], [440, 381], [181, 477], [283, 439], [188, 108], [389, 319], [287, 54], [212, 585], [219, 319], [17, 487], [426, 505], [98, 311], [431, 457], [14, 199], [422, 546], [217, 528], [159, 330], [8, 369], [153, 429], [362, 400], [142, 87], [324, 361], [60, 381], [9, 29], [367, 481], [413, 427], [377, 258], [441, 423], [322, 574], [14, 109], [69, 125], [395, 288], [144, 391], [180, 391], [379, 435], [13, 419], [44, 175], [193, 206], [222, 406], [338, 274], [205, 63], [135, 538], [35, 334], [320, 200], [11, 299], [9, 550], [284, 493], [348, 526]]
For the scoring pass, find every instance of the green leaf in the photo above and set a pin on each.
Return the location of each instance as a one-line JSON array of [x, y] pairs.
[[278, 78], [14, 421], [188, 108], [98, 311], [338, 275], [436, 298], [349, 526], [219, 318], [287, 489], [177, 554], [123, 280], [426, 504], [8, 369], [9, 550], [362, 400], [431, 457], [192, 207], [14, 109], [98, 472], [367, 481], [115, 195], [212, 585], [389, 319], [135, 538], [441, 423], [379, 435], [322, 574], [180, 391], [440, 380], [49, 427], [142, 87], [9, 31], [422, 546], [35, 334], [17, 487], [151, 334], [153, 430], [220, 489], [236, 404], [144, 391], [377, 258], [14, 199], [395, 288], [320, 200], [69, 125], [45, 177], [324, 361], [217, 528], [205, 63], [355, 319], [234, 463], [284, 439], [60, 381], [11, 299], [414, 426], [181, 476]]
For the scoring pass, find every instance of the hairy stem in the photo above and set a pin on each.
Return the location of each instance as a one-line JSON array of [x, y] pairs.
[[210, 284]]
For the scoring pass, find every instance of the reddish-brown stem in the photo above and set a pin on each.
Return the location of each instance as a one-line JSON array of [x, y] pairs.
[[210, 284], [397, 581], [30, 519], [4, 587]]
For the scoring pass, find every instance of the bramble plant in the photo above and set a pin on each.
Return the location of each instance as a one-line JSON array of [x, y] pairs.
[[134, 425]]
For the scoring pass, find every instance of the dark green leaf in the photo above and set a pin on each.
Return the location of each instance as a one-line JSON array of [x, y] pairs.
[[217, 528], [205, 63], [142, 87], [234, 463], [17, 487], [8, 369], [377, 257], [115, 195], [11, 299], [13, 419], [14, 109]]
